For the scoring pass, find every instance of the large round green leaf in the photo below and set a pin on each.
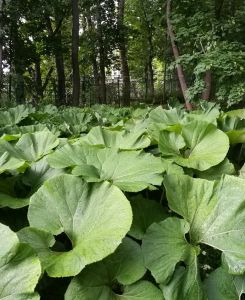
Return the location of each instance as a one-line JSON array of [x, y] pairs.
[[14, 115], [194, 147], [72, 121], [126, 140], [141, 290], [113, 278], [216, 172], [8, 163], [34, 177], [12, 201], [95, 217], [215, 212], [222, 286], [131, 171], [39, 172], [164, 245], [30, 147], [20, 268], [160, 119], [185, 284]]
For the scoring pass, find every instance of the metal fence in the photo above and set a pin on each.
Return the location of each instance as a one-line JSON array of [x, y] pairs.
[[164, 86]]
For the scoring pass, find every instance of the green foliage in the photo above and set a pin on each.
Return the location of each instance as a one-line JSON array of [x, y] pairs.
[[20, 268], [209, 38], [140, 204]]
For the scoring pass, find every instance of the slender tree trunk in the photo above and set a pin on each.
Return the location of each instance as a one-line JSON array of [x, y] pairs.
[[218, 7], [93, 58], [164, 82], [180, 72], [75, 48], [61, 90], [146, 82], [1, 45], [19, 87], [10, 86], [101, 57], [60, 68], [18, 63], [47, 79], [165, 66], [96, 79], [123, 55], [59, 61], [102, 76], [208, 85], [151, 79], [126, 77], [38, 79], [1, 67], [150, 76]]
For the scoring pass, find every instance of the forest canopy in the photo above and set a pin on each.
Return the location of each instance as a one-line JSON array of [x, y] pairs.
[[82, 52]]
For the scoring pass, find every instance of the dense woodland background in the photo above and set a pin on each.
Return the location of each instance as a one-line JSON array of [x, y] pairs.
[[81, 52]]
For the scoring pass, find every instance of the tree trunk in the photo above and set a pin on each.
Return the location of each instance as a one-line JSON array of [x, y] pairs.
[[102, 76], [59, 61], [1, 67], [165, 67], [93, 58], [38, 79], [175, 49], [18, 63], [96, 79], [164, 83], [1, 45], [218, 8], [149, 26], [75, 48], [123, 55], [61, 89], [47, 79], [19, 87], [10, 86], [208, 85], [146, 82], [151, 79]]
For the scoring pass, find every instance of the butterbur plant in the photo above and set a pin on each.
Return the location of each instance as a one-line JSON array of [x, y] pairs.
[[148, 207], [210, 213]]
